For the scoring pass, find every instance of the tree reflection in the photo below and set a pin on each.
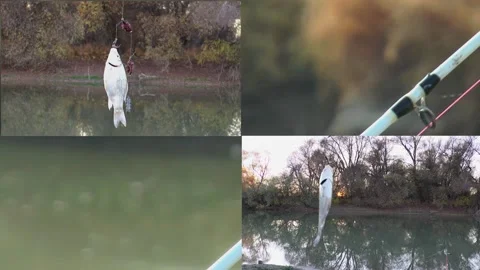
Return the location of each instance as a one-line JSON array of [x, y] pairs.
[[363, 242], [82, 111]]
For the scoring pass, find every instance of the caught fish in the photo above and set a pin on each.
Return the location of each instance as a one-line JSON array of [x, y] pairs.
[[116, 85], [324, 200]]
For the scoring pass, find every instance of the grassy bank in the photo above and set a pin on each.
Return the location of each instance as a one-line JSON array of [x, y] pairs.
[[351, 210], [92, 74], [268, 267]]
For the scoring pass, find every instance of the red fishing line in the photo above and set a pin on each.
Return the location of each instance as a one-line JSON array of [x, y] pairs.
[[450, 106]]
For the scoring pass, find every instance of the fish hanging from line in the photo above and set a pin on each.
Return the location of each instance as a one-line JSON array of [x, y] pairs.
[[116, 85], [324, 200]]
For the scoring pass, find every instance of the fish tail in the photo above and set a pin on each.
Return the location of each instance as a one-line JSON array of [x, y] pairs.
[[317, 240], [119, 117]]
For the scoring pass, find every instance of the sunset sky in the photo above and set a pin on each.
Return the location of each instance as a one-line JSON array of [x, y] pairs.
[[279, 148]]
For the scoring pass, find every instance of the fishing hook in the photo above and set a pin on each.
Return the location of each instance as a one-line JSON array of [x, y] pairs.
[[426, 115], [114, 44]]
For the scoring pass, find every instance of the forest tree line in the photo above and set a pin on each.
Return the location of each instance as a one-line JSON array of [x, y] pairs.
[[368, 172], [40, 35]]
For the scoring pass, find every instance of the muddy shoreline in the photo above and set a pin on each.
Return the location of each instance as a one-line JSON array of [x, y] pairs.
[[341, 210], [147, 73], [268, 267]]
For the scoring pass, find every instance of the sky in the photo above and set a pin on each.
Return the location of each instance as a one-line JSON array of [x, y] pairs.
[[279, 148]]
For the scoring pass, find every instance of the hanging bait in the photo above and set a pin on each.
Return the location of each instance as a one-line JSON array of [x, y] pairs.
[[130, 65], [125, 25]]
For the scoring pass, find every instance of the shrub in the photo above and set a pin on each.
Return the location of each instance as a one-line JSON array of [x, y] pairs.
[[162, 37], [219, 52], [462, 201], [91, 15]]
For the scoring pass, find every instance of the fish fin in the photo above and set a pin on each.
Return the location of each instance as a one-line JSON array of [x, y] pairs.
[[119, 117], [317, 240], [110, 104]]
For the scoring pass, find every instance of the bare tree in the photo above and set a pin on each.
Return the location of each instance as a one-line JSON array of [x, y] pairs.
[[411, 144], [456, 162], [348, 155], [434, 171], [379, 156], [304, 167], [258, 166]]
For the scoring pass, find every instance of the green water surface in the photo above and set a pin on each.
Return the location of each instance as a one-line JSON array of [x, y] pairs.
[[118, 203], [72, 109]]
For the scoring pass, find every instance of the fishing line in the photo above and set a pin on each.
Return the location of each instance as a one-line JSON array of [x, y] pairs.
[[408, 102], [116, 28], [123, 6], [449, 107], [125, 25]]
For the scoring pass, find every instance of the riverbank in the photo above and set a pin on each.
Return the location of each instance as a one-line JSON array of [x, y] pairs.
[[268, 267], [342, 210], [83, 73]]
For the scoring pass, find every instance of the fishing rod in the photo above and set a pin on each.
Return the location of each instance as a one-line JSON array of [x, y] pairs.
[[229, 259], [403, 106], [409, 101], [449, 107]]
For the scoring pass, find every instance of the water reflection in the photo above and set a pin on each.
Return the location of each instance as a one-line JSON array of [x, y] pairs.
[[117, 203], [359, 242], [81, 110]]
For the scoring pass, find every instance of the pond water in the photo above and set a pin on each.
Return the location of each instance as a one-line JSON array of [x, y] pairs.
[[362, 242], [153, 110], [118, 203]]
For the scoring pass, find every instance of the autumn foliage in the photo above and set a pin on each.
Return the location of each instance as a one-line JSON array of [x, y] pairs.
[[382, 172], [248, 180], [43, 34]]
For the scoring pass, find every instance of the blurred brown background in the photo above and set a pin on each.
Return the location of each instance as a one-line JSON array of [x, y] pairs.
[[333, 67]]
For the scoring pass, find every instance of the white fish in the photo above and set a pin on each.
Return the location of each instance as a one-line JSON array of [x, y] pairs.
[[116, 85], [324, 200]]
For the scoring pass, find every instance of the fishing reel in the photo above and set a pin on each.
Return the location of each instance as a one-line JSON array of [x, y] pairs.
[[425, 114]]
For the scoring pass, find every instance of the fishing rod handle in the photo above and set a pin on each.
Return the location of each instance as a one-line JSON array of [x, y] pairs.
[[458, 57], [229, 259], [403, 106], [406, 103]]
